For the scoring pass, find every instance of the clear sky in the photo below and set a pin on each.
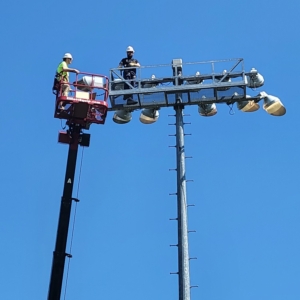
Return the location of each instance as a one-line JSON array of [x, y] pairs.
[[245, 167]]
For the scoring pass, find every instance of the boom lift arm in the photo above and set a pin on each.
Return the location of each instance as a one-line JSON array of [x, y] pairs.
[[81, 109]]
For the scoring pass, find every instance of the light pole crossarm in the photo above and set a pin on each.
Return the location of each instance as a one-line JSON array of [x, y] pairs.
[[198, 83]]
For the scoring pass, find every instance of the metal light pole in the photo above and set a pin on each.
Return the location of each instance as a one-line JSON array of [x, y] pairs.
[[183, 246], [204, 90]]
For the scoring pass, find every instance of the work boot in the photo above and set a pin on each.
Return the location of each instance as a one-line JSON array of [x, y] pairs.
[[61, 106]]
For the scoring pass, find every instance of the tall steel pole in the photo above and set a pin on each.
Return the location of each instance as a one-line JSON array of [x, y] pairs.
[[59, 254], [183, 253], [202, 90]]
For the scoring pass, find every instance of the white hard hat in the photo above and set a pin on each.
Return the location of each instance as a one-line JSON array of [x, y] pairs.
[[129, 49], [68, 55]]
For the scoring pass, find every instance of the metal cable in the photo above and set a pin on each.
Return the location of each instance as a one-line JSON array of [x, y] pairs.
[[73, 227]]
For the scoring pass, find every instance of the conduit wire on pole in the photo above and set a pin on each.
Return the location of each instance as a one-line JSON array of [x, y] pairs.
[[73, 226]]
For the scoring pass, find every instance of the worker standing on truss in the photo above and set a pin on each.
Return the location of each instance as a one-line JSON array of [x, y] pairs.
[[128, 74], [62, 76]]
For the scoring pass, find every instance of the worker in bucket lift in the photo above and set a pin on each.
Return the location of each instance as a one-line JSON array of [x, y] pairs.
[[128, 74], [62, 75]]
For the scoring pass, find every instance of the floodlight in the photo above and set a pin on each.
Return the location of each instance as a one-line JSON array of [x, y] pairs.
[[255, 79], [117, 84], [149, 84], [122, 116], [149, 115], [207, 110], [86, 83], [219, 77], [272, 105], [224, 80], [247, 105], [196, 79]]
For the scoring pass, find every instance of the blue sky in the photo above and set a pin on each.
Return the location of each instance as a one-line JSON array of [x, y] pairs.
[[245, 167]]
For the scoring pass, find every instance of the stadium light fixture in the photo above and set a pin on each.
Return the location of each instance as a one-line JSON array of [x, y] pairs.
[[195, 80], [207, 110], [149, 84], [117, 84], [247, 105], [122, 116], [149, 115], [272, 105], [255, 79]]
